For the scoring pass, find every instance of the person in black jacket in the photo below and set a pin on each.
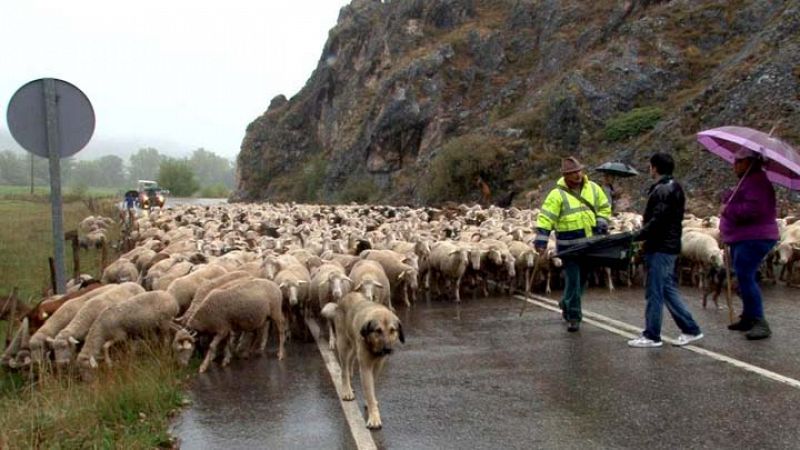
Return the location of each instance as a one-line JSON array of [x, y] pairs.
[[661, 234]]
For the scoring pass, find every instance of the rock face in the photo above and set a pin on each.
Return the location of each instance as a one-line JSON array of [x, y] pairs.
[[403, 85]]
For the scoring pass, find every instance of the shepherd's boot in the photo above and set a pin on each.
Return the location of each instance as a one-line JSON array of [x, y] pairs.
[[760, 330]]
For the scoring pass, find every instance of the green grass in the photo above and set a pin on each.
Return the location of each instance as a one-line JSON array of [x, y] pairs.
[[129, 406], [22, 192], [632, 123], [26, 240]]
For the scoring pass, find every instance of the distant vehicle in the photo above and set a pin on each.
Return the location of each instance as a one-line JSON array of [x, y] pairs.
[[150, 194]]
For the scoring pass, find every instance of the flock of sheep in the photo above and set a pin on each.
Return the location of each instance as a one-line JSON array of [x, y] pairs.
[[215, 278]]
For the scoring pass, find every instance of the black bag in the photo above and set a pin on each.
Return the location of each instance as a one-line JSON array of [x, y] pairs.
[[614, 251]]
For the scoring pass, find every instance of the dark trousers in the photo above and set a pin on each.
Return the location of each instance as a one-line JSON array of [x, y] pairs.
[[575, 278], [747, 256]]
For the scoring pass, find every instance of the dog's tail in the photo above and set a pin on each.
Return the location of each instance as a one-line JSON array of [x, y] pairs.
[[329, 311]]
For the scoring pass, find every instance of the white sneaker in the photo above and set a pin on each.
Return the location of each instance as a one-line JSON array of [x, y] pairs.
[[684, 339], [643, 342]]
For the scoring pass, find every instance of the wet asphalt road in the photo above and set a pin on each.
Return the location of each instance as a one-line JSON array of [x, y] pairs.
[[479, 376]]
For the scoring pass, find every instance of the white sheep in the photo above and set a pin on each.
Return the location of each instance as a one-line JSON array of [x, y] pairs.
[[184, 288], [702, 251], [137, 316], [401, 270], [450, 261], [65, 342], [206, 287], [370, 279], [120, 271], [242, 306], [329, 283], [60, 319], [526, 259]]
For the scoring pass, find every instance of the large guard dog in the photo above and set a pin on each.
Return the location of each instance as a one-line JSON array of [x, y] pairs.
[[367, 331]]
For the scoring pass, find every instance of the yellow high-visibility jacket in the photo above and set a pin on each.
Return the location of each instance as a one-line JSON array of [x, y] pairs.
[[572, 220]]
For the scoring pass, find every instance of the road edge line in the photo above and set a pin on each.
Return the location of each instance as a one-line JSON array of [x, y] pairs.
[[361, 435], [613, 326]]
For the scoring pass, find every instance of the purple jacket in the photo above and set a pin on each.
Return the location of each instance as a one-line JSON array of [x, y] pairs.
[[752, 212]]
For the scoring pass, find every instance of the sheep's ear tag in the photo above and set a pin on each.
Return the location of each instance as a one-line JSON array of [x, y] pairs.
[[93, 363]]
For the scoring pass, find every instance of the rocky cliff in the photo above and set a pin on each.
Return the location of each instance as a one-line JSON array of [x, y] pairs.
[[413, 100]]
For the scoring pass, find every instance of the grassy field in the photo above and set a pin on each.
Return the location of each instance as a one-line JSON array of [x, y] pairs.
[[128, 407], [26, 242], [24, 192]]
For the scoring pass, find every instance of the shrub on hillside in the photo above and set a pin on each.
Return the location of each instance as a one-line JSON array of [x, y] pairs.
[[456, 168], [359, 189], [632, 123], [307, 186]]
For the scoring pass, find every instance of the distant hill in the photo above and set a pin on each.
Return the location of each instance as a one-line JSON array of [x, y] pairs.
[[412, 100]]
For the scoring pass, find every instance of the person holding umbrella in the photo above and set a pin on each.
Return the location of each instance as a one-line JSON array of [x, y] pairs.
[[611, 171], [748, 225]]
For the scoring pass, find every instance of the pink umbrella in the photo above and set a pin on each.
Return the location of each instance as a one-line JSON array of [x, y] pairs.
[[782, 162]]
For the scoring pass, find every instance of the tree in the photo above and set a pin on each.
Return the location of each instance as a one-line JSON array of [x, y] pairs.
[[144, 164], [12, 169], [110, 171], [178, 177], [211, 169]]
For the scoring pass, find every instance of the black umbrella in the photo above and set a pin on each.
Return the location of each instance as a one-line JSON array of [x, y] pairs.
[[618, 169]]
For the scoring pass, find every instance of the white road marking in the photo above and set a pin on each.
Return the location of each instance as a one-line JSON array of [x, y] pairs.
[[358, 427], [617, 327]]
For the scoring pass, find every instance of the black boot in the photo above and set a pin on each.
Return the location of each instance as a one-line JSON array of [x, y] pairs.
[[744, 324], [573, 326], [760, 330]]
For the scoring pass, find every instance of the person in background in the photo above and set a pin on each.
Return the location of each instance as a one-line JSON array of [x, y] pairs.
[[748, 225], [661, 234], [610, 191], [575, 209]]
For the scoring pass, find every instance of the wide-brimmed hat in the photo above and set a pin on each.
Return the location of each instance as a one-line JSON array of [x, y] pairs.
[[571, 164]]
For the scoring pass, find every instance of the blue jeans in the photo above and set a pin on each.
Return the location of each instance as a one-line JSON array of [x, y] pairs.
[[747, 256], [662, 289]]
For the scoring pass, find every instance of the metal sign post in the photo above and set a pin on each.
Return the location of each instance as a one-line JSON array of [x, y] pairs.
[[53, 119], [51, 123]]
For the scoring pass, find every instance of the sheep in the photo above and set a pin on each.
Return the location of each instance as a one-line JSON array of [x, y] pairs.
[[703, 252], [498, 261], [17, 354], [242, 306], [329, 283], [141, 314], [400, 270], [161, 280], [293, 281], [120, 271], [450, 261], [184, 288], [368, 276], [526, 259], [346, 261], [74, 284], [64, 342], [788, 251], [206, 287], [60, 319]]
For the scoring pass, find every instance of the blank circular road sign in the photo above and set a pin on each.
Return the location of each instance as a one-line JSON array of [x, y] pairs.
[[27, 118]]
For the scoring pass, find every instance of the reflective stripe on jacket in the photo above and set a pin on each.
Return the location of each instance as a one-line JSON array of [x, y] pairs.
[[572, 220]]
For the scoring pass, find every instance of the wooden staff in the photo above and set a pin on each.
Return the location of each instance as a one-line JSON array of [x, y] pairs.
[[728, 295]]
